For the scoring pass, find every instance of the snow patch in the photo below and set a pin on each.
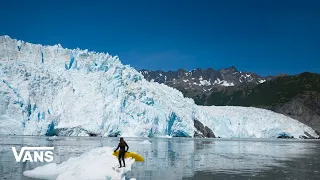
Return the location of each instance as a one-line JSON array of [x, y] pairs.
[[205, 83], [223, 82], [262, 81]]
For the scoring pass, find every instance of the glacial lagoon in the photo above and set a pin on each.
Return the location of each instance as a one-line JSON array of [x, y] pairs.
[[182, 158]]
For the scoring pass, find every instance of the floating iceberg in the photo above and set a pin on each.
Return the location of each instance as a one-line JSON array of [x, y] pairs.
[[96, 164], [145, 142]]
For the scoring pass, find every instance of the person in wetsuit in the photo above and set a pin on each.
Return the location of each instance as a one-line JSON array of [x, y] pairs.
[[122, 145]]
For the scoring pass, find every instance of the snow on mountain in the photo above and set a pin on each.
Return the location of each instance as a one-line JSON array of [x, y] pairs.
[[223, 82], [49, 90], [262, 81], [201, 80]]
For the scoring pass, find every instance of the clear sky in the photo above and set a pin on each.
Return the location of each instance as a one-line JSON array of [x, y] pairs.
[[263, 36]]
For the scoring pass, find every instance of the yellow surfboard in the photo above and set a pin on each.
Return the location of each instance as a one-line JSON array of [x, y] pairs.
[[133, 155]]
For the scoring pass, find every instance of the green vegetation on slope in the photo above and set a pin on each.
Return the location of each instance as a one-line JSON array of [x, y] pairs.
[[269, 94]]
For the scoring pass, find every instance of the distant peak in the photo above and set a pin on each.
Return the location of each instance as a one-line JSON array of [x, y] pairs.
[[229, 69], [209, 69], [233, 68], [282, 75], [197, 69], [182, 70]]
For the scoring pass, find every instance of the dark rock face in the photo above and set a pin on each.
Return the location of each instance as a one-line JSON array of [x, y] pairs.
[[92, 135], [303, 107], [203, 131], [198, 135], [295, 96], [309, 136], [208, 133]]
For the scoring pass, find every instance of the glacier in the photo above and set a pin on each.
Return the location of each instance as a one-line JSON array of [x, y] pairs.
[[51, 90], [250, 122]]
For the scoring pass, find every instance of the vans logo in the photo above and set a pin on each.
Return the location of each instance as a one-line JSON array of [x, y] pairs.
[[34, 154]]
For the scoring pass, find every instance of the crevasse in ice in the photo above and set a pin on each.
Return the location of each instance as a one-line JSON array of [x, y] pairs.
[[49, 90]]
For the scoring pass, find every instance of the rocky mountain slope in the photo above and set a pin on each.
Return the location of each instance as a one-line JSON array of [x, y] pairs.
[[295, 96], [203, 80]]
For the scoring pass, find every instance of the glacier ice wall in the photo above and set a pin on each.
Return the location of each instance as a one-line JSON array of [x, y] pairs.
[[49, 90], [250, 122]]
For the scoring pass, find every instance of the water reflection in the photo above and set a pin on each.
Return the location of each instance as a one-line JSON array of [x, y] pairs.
[[188, 158], [184, 158]]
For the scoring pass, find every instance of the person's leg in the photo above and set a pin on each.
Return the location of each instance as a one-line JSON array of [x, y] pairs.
[[124, 163], [119, 158]]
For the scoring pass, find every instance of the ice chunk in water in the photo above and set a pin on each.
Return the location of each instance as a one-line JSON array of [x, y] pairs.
[[145, 142], [96, 164]]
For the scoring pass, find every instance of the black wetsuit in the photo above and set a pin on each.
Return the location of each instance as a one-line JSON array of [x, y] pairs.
[[122, 152]]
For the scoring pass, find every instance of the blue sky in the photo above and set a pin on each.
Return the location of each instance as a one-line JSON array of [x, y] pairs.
[[263, 36]]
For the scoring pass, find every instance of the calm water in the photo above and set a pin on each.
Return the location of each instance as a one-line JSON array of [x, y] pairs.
[[184, 158]]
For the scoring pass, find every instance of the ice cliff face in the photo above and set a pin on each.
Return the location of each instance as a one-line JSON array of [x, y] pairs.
[[250, 122], [47, 90]]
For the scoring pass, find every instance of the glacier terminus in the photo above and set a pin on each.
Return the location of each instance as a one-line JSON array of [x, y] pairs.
[[50, 90]]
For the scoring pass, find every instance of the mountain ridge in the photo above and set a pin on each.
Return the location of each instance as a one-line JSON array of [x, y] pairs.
[[283, 87]]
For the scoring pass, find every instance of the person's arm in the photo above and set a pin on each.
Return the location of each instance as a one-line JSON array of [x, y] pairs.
[[127, 147], [117, 148]]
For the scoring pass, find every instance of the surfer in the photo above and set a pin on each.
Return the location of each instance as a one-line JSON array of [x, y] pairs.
[[122, 145]]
